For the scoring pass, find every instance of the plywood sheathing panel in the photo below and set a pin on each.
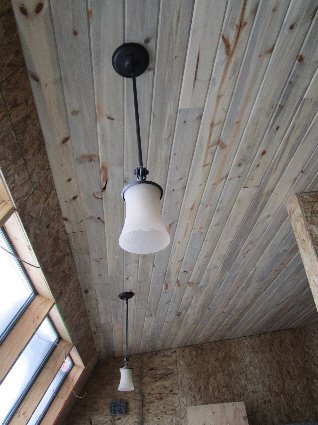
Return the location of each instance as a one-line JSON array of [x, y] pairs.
[[303, 212], [25, 166], [101, 388], [274, 374]]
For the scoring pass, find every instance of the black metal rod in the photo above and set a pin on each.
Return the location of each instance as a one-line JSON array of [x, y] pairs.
[[126, 349], [140, 162]]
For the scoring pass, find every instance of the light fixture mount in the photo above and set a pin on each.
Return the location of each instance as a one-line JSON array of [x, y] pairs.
[[125, 296], [130, 60]]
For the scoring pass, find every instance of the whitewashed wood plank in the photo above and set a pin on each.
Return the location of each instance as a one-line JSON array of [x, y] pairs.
[[239, 298], [173, 318], [247, 88], [246, 303], [297, 172], [38, 42], [73, 45], [304, 315], [173, 33], [269, 96], [79, 247], [264, 319], [290, 273], [266, 244], [289, 177], [223, 78], [141, 24], [106, 20], [245, 97], [300, 76], [304, 71], [163, 278], [187, 127], [202, 46]]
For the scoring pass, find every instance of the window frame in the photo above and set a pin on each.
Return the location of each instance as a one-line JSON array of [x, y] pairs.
[[26, 319]]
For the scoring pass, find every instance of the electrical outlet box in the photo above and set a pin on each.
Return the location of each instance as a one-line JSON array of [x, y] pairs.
[[118, 407]]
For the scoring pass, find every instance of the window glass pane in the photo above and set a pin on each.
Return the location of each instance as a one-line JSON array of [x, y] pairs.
[[15, 289], [51, 392], [25, 369]]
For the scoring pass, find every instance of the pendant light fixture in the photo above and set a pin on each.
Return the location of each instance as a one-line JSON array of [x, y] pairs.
[[144, 231], [126, 382]]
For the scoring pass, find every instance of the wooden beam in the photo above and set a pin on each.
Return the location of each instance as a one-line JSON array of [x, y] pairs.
[[6, 203], [22, 332], [216, 414], [303, 213], [63, 396], [41, 384]]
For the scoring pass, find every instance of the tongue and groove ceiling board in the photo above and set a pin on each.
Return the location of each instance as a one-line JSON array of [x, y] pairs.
[[229, 128]]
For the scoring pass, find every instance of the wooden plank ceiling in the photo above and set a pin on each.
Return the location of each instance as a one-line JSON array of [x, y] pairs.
[[229, 129]]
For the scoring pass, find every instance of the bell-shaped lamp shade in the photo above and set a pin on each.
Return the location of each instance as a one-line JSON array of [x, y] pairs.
[[144, 231], [126, 382]]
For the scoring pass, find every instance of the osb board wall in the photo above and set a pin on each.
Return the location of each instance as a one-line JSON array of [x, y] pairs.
[[276, 375], [25, 166]]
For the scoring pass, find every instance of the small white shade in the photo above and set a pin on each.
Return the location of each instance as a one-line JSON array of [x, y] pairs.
[[144, 231], [126, 382]]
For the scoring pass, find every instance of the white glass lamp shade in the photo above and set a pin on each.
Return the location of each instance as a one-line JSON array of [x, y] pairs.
[[144, 231], [126, 382]]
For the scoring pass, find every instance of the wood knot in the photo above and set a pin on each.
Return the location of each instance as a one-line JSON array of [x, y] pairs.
[[75, 33], [75, 112], [65, 140], [300, 58], [89, 13], [89, 157], [98, 195], [227, 45], [147, 40], [34, 77], [221, 144], [38, 8], [103, 175], [23, 10]]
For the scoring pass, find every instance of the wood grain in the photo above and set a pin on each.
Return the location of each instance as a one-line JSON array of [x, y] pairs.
[[303, 212], [275, 374], [217, 414], [228, 112]]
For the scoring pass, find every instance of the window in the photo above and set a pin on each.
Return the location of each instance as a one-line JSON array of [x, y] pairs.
[[37, 358], [51, 392], [20, 377], [16, 291]]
